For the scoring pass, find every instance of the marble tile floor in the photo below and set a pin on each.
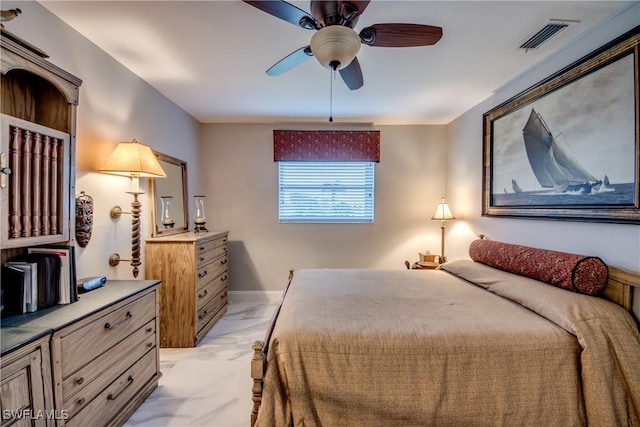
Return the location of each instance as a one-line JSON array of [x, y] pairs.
[[210, 385]]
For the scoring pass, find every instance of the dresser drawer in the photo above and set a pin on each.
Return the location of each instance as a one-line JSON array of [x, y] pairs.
[[109, 402], [211, 272], [78, 389], [210, 290], [205, 293], [210, 250], [105, 332], [212, 308]]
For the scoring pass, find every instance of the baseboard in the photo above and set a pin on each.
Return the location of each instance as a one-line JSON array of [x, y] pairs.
[[255, 296]]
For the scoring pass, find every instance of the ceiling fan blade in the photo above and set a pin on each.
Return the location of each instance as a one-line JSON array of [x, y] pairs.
[[352, 75], [400, 35], [290, 61], [286, 12]]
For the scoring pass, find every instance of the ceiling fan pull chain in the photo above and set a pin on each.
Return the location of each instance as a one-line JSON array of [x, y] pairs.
[[332, 75]]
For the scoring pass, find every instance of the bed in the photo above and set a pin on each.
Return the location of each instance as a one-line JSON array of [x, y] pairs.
[[466, 344]]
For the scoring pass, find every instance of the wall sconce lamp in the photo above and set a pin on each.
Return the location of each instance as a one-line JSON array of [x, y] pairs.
[[443, 213], [134, 160]]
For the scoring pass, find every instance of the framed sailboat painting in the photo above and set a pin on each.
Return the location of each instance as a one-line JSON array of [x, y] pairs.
[[569, 147]]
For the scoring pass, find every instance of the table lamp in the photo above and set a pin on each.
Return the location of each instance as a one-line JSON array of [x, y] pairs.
[[443, 213]]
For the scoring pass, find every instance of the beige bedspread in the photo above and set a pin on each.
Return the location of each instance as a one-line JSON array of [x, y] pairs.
[[421, 348], [608, 336]]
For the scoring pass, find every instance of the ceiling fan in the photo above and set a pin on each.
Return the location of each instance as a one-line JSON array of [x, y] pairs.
[[335, 44]]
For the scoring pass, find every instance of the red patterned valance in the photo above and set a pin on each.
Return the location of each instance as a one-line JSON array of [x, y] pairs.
[[326, 145]]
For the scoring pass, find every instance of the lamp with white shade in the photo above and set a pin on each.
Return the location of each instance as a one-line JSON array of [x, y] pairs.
[[443, 213], [134, 160]]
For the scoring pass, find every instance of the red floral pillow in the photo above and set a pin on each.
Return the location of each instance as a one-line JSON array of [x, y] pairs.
[[578, 273]]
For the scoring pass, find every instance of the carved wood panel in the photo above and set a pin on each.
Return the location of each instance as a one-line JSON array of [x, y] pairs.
[[37, 187]]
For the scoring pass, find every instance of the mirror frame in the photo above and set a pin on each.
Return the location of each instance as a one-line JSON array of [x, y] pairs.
[[156, 231]]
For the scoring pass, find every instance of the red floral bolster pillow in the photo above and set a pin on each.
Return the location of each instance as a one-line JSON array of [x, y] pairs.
[[578, 273]]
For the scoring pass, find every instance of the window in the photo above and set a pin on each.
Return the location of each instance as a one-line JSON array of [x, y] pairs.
[[325, 191]]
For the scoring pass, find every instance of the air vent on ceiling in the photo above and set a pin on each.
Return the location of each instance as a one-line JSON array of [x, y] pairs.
[[548, 30]]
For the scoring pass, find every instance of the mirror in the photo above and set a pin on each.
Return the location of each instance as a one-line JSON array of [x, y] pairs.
[[170, 212]]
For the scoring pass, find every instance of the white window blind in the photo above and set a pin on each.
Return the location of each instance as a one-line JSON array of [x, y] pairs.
[[326, 191]]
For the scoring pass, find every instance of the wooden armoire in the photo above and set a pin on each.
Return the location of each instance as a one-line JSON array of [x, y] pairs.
[[37, 148]]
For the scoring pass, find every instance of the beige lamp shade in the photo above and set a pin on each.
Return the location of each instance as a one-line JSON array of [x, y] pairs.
[[133, 159], [443, 212]]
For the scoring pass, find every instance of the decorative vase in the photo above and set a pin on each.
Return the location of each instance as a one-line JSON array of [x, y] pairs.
[[199, 217], [167, 211]]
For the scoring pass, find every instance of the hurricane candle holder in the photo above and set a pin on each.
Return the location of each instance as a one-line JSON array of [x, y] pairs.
[[199, 217], [168, 220]]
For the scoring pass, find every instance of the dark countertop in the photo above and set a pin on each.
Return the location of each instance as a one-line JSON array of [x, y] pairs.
[[17, 331], [15, 337]]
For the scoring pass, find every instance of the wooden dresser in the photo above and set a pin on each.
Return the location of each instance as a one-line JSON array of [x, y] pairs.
[[193, 295], [88, 363]]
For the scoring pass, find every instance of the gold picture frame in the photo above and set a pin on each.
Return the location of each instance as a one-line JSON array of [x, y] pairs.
[[568, 147]]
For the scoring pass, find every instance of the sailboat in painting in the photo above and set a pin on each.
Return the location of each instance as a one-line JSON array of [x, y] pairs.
[[515, 186], [553, 166]]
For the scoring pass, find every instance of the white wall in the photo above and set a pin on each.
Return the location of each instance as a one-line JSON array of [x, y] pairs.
[[616, 244], [240, 179], [115, 105]]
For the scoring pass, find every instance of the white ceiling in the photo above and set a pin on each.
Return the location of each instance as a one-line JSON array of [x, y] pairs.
[[210, 57]]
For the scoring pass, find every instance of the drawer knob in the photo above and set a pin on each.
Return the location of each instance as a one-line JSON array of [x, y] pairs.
[[223, 278], [149, 329], [80, 380], [223, 262], [81, 401], [202, 258], [110, 327], [204, 294], [149, 344], [115, 396], [203, 274], [201, 248]]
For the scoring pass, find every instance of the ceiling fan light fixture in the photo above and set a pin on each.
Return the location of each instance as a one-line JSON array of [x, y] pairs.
[[335, 43]]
